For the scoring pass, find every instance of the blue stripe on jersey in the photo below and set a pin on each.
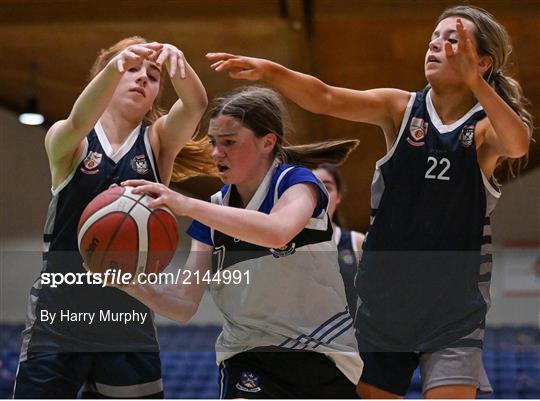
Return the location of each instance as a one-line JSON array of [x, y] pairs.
[[319, 339]]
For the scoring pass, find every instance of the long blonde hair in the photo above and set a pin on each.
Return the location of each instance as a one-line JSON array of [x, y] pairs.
[[493, 41], [194, 159]]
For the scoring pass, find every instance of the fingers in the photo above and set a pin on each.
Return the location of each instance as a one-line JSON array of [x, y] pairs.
[[162, 57], [449, 50], [134, 183], [219, 56], [182, 66], [232, 63], [174, 60]]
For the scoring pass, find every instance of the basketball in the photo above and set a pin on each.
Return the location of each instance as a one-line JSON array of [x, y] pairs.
[[117, 230]]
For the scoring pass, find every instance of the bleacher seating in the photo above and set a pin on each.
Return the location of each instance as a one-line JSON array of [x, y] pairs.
[[511, 357]]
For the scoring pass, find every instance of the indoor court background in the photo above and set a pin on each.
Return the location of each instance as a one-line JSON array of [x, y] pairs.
[[352, 43]]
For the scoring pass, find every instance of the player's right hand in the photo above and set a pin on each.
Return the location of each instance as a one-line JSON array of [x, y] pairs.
[[240, 67], [134, 55]]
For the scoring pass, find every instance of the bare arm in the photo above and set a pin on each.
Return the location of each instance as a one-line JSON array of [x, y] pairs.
[[381, 107], [172, 131], [64, 138], [288, 217], [178, 301], [503, 133]]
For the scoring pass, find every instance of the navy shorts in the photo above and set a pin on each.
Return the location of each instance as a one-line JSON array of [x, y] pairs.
[[271, 372], [389, 371], [95, 375]]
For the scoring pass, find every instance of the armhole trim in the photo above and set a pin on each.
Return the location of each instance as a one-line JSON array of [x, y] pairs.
[[150, 153], [406, 116], [495, 192], [56, 191], [353, 243]]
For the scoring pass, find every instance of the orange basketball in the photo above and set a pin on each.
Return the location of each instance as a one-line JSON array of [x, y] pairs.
[[117, 230]]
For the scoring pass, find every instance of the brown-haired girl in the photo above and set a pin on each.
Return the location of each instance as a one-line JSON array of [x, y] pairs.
[[115, 131], [424, 277], [287, 331]]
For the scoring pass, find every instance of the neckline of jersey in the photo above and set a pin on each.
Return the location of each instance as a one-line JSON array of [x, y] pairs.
[[437, 122], [123, 149]]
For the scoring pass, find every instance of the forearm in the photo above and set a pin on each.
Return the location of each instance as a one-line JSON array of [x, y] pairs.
[[305, 90], [165, 300], [94, 99], [185, 114], [247, 225], [510, 131], [190, 90]]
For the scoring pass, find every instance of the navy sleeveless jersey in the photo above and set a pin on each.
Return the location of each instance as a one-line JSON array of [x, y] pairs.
[[97, 169], [423, 281]]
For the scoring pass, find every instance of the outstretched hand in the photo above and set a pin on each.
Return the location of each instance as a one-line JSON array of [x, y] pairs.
[[134, 55], [464, 58], [173, 59], [239, 67], [162, 194]]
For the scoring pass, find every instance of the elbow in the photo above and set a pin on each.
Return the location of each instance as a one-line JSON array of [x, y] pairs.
[[279, 240], [324, 106], [186, 313], [520, 147]]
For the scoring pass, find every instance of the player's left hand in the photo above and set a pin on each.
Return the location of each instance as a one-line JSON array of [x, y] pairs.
[[173, 59], [162, 194], [463, 58]]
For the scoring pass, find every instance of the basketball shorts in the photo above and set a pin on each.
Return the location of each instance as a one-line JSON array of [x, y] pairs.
[[272, 372], [95, 375], [393, 371]]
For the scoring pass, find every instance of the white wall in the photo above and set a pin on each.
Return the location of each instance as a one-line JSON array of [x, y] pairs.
[[25, 195]]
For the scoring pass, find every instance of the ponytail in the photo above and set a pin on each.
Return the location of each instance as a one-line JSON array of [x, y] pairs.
[[313, 154], [194, 160]]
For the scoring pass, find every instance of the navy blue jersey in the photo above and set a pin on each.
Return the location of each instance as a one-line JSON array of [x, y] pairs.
[[96, 170], [423, 280]]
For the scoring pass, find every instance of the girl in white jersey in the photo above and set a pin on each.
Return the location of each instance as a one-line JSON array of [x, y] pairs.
[[287, 331], [444, 144]]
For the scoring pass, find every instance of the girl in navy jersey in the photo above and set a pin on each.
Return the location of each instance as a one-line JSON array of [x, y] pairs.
[[349, 243], [287, 331], [115, 131], [423, 281]]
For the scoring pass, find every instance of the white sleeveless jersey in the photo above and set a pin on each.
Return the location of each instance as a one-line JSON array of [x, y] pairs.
[[295, 298]]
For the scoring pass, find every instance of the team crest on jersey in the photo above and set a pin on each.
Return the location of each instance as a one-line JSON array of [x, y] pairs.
[[285, 251], [417, 131], [139, 164], [347, 256], [91, 162], [249, 382], [466, 136]]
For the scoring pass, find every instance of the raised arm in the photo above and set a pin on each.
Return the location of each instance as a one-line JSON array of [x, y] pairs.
[[64, 138], [171, 132], [382, 107], [503, 133], [178, 301], [288, 217]]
